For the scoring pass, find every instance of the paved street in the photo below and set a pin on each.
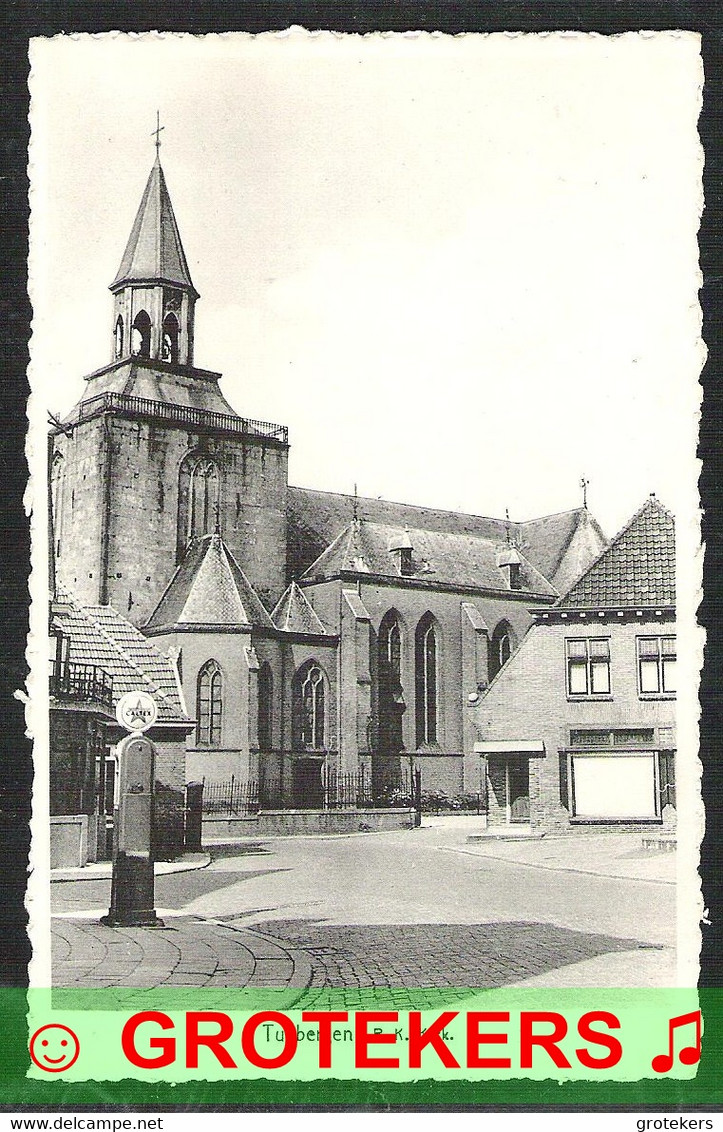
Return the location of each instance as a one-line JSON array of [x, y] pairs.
[[420, 908]]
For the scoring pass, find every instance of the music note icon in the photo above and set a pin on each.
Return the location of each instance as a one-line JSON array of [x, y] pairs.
[[688, 1055]]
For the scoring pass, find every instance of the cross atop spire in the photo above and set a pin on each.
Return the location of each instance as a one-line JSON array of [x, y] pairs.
[[157, 134], [584, 484]]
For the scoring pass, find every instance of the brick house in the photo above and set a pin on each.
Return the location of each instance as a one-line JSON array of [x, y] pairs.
[[96, 657], [314, 633], [579, 726]]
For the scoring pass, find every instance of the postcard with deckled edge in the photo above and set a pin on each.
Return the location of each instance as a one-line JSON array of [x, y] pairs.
[[366, 530]]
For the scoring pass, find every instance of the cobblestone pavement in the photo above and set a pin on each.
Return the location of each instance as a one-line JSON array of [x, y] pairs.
[[383, 910], [184, 952]]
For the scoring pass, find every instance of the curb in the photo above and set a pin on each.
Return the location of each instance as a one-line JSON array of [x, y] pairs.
[[188, 863]]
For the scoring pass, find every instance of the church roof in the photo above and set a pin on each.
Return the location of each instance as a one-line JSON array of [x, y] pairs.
[[208, 589], [154, 251], [637, 569], [99, 635], [316, 518], [294, 613], [463, 560], [160, 382]]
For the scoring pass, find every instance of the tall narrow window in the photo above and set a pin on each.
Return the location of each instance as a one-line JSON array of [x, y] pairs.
[[57, 481], [119, 337], [426, 670], [169, 352], [501, 646], [203, 511], [266, 695], [309, 708], [391, 693], [141, 338], [209, 705]]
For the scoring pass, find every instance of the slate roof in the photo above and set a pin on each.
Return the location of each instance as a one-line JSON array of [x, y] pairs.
[[159, 381], [209, 588], [154, 251], [455, 559], [637, 569], [295, 614], [100, 635], [316, 518], [545, 541]]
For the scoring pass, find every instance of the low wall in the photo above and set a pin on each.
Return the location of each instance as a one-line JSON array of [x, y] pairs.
[[69, 841], [287, 823]]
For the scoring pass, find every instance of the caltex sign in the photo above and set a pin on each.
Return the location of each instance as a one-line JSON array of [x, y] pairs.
[[136, 711]]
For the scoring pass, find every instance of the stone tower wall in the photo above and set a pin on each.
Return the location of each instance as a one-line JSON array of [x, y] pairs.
[[135, 515]]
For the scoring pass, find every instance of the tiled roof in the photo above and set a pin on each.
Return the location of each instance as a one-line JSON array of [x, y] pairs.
[[316, 518], [295, 614], [636, 569], [101, 636], [209, 588], [454, 559], [154, 251]]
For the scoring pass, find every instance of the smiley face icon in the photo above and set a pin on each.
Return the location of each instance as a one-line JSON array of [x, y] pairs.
[[54, 1048]]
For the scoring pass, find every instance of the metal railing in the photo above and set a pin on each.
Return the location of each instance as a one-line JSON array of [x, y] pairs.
[[85, 683], [185, 415], [237, 797]]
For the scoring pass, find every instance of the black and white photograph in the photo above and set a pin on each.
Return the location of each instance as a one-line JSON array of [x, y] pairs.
[[366, 528]]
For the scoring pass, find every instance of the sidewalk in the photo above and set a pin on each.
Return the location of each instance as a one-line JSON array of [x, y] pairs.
[[604, 854], [103, 870], [186, 952]]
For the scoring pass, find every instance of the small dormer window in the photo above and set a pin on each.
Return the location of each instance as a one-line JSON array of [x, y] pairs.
[[509, 563], [400, 549]]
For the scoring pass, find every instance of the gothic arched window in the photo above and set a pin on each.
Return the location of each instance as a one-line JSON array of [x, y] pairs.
[[502, 644], [203, 498], [57, 484], [266, 696], [169, 352], [309, 708], [198, 500], [426, 669], [119, 337], [391, 693], [141, 340], [209, 705]]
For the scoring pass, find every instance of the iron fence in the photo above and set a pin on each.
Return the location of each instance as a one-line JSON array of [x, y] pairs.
[[187, 415], [236, 796]]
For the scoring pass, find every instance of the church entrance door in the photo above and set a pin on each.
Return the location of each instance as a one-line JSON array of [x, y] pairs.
[[308, 784]]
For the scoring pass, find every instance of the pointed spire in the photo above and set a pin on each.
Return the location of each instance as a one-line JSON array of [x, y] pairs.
[[154, 252]]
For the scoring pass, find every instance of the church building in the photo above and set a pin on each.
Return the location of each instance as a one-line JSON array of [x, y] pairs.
[[315, 634]]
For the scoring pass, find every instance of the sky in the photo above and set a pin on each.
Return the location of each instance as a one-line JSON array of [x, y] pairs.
[[462, 270]]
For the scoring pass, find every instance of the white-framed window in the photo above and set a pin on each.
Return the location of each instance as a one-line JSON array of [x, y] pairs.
[[588, 666], [656, 666]]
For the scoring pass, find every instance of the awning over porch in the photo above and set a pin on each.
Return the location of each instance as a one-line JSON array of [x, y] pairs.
[[501, 747]]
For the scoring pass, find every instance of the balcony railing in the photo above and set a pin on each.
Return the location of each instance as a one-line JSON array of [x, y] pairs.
[[183, 415], [82, 683]]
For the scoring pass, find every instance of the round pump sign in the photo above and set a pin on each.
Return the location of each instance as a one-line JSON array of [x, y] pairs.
[[136, 711]]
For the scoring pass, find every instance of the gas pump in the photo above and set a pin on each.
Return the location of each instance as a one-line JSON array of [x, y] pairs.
[[133, 884]]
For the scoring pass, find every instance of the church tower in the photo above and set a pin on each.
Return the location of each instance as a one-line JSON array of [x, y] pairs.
[[154, 295], [153, 456]]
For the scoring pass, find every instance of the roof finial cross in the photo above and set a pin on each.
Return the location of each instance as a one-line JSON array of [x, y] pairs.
[[584, 484], [157, 133]]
